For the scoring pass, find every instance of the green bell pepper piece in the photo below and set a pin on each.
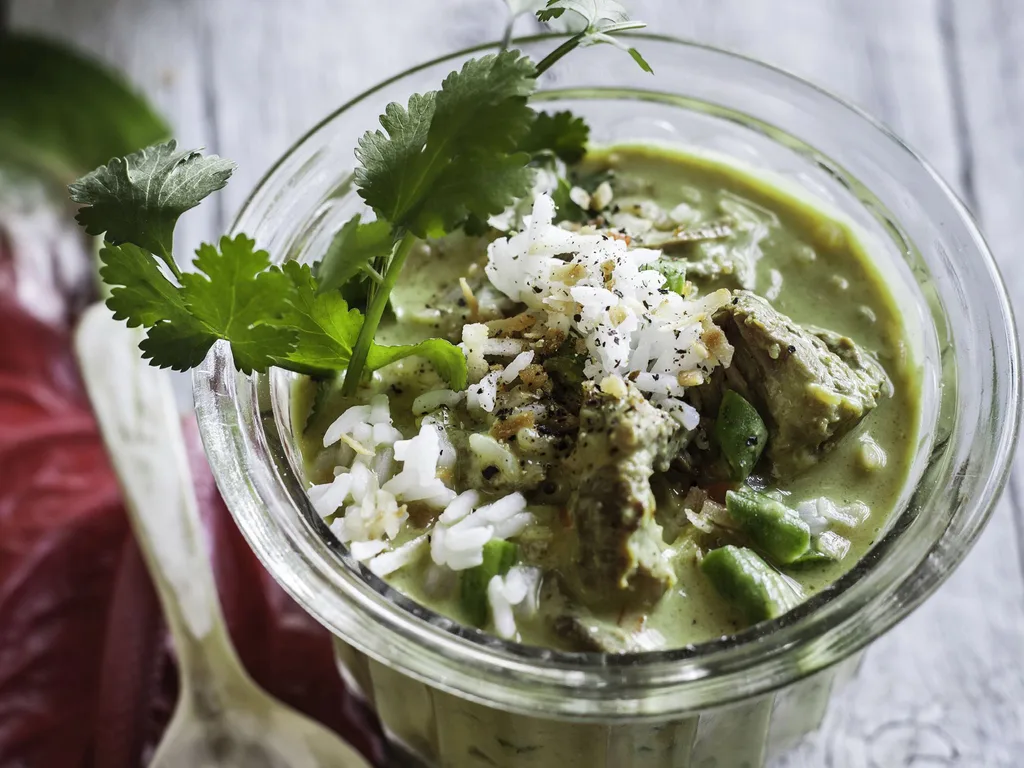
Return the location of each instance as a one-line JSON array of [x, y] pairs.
[[499, 556], [745, 580], [774, 528], [741, 434]]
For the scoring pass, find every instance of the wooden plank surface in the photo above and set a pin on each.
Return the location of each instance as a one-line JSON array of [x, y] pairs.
[[246, 77]]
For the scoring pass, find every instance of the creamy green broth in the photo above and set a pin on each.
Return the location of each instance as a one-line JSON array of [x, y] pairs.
[[817, 273]]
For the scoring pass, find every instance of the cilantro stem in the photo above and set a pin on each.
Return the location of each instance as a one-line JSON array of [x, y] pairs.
[[576, 40], [373, 274], [559, 52], [374, 312]]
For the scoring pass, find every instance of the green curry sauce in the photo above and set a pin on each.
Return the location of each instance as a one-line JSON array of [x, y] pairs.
[[811, 267]]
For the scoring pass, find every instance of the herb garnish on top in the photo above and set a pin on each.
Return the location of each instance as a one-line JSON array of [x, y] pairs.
[[447, 159]]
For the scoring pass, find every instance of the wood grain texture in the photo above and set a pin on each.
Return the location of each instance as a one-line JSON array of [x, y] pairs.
[[247, 77]]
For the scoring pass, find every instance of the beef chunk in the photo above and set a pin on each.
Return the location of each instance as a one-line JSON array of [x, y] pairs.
[[811, 386]]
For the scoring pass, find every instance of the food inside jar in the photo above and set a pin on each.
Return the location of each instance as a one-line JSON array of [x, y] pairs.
[[691, 406]]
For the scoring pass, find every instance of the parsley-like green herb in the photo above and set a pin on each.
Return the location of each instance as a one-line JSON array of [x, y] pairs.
[[232, 296], [452, 152], [447, 159], [138, 199], [236, 294], [326, 331], [448, 155], [270, 316]]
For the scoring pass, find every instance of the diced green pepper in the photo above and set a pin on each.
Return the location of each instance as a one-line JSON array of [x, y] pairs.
[[774, 528], [499, 556], [741, 434], [747, 581]]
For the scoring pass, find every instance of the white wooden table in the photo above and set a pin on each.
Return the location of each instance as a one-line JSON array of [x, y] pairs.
[[247, 77]]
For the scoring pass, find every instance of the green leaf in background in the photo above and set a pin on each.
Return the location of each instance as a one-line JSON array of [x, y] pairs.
[[65, 111]]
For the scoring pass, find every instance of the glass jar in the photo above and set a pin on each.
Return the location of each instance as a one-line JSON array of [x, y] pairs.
[[453, 696]]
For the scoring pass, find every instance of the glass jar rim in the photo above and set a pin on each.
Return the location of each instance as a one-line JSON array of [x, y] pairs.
[[417, 642]]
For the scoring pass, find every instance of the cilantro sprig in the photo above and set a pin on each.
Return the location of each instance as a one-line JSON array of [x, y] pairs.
[[446, 159], [269, 315], [601, 20]]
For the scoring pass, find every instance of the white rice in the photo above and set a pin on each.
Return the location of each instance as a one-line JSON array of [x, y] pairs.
[[513, 369], [474, 337], [389, 562], [460, 506], [580, 196], [516, 592], [503, 347], [501, 609], [522, 588], [461, 531], [602, 196], [372, 496], [680, 410], [684, 214], [346, 423], [823, 514], [608, 295], [328, 497], [365, 550], [483, 395], [833, 545]]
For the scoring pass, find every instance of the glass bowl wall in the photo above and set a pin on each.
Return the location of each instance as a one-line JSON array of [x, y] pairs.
[[925, 243]]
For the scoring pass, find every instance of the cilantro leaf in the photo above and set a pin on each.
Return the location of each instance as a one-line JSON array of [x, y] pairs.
[[138, 199], [140, 293], [562, 133], [447, 359], [327, 330], [637, 57], [451, 153], [180, 343], [351, 250], [594, 12], [239, 298]]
